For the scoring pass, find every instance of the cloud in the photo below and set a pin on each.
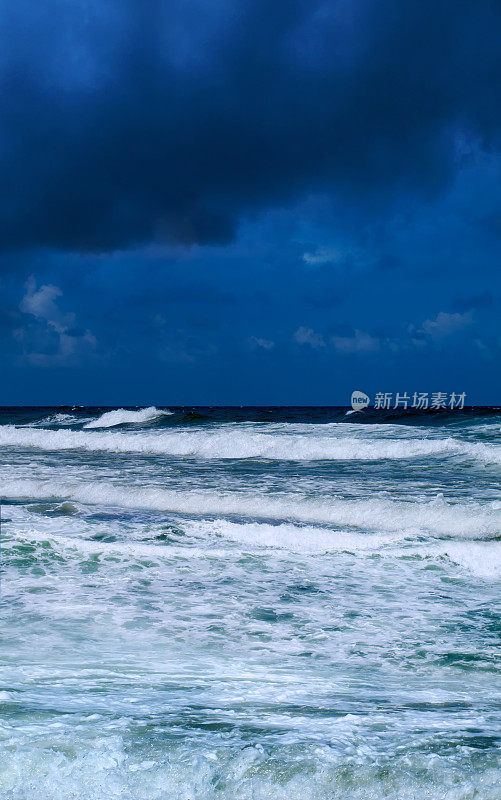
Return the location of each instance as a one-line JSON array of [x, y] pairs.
[[41, 304], [125, 122], [264, 344], [308, 336], [349, 342], [53, 337], [323, 255], [444, 324], [359, 342]]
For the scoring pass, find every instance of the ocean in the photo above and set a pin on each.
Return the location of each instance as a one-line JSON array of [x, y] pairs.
[[250, 604]]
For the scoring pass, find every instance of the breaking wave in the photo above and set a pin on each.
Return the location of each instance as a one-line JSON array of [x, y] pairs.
[[122, 416], [242, 444], [467, 519], [58, 420]]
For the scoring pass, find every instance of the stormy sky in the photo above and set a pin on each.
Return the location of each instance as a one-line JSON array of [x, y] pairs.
[[249, 202]]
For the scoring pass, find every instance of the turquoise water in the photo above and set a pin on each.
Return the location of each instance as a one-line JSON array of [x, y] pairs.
[[250, 604]]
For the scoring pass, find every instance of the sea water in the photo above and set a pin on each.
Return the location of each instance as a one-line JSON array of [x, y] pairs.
[[250, 604]]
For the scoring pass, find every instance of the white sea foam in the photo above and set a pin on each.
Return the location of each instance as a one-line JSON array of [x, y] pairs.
[[211, 539], [481, 558], [60, 767], [58, 419], [233, 443], [468, 519], [292, 538], [121, 416]]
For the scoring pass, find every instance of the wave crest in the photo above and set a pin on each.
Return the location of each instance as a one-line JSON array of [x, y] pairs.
[[122, 416], [242, 444], [438, 516]]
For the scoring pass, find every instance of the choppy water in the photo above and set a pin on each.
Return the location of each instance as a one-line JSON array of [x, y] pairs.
[[250, 604]]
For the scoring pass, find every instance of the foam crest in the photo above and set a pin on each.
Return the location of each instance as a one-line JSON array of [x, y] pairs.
[[59, 419], [121, 416], [231, 443], [301, 539], [481, 558], [468, 519], [61, 768], [225, 539]]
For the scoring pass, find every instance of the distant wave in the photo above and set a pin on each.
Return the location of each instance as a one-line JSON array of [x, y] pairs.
[[121, 417], [60, 419], [232, 443]]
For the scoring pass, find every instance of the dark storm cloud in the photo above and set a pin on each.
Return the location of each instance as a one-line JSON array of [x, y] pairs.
[[127, 120]]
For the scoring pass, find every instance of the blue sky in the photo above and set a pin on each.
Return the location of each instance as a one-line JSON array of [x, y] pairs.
[[248, 204]]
